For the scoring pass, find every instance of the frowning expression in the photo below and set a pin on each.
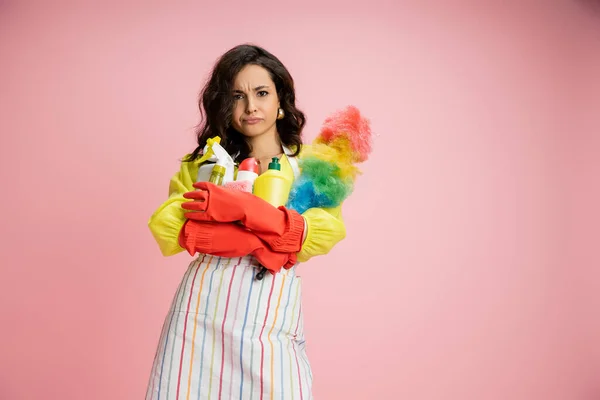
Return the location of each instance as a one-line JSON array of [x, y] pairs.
[[255, 102]]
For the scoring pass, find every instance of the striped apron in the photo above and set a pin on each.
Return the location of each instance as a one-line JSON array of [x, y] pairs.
[[230, 336]]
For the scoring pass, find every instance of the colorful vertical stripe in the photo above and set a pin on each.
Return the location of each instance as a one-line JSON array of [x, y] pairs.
[[231, 340], [271, 342], [230, 336], [189, 383]]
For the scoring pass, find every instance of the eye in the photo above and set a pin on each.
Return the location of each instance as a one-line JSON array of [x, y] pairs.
[[262, 93], [238, 96]]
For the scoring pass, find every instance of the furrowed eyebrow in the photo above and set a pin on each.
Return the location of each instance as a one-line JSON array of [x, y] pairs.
[[255, 89]]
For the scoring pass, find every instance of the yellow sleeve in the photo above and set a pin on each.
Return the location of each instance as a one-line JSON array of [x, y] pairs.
[[325, 228], [166, 222]]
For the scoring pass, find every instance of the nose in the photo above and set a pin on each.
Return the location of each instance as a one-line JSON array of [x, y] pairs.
[[250, 107]]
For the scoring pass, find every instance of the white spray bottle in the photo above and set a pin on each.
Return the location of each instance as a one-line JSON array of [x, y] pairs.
[[218, 159]]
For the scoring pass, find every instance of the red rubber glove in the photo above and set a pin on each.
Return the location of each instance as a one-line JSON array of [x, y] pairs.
[[282, 229], [231, 240]]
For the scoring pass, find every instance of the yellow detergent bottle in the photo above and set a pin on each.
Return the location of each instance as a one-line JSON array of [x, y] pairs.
[[273, 186]]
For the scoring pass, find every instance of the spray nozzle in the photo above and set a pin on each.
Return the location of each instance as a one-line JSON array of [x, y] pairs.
[[209, 151]]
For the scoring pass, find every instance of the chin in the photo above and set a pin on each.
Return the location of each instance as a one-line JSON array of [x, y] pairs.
[[254, 132]]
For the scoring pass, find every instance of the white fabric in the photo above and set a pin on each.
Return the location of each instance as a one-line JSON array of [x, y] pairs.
[[230, 336], [293, 161]]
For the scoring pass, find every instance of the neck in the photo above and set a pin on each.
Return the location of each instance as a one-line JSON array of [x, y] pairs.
[[266, 145]]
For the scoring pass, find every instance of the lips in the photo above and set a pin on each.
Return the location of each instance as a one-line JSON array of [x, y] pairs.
[[252, 121]]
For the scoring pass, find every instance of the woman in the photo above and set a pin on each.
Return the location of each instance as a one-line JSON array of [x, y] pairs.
[[227, 334]]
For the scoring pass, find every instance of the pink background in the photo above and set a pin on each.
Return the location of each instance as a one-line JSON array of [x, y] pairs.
[[476, 275]]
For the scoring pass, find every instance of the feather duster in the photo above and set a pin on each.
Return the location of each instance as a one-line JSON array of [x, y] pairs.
[[328, 166]]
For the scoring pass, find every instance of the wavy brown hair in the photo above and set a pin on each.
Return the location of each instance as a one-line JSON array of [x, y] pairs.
[[216, 102]]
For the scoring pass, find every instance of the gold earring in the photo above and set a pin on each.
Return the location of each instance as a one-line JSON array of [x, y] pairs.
[[280, 113]]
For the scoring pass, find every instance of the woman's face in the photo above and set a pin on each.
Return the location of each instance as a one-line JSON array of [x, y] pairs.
[[255, 102]]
